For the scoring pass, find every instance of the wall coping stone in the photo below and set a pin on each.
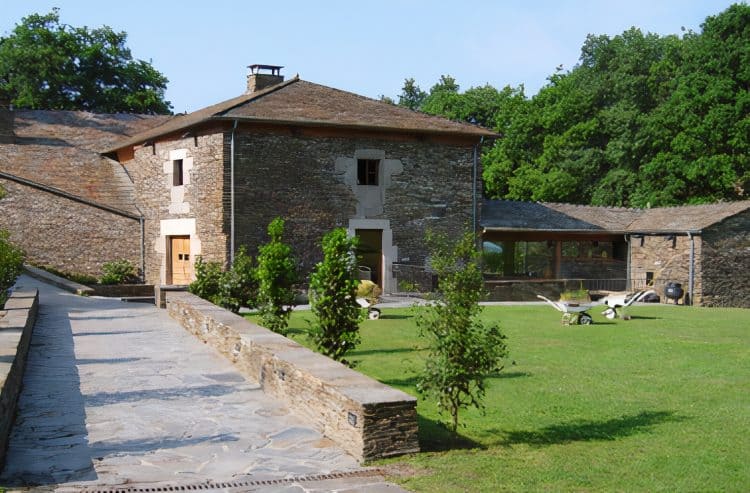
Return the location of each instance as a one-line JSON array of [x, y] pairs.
[[16, 326], [58, 281], [365, 417]]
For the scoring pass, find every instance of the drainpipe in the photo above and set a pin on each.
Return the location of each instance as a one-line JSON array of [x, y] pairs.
[[143, 249], [231, 196], [474, 188], [628, 278], [691, 274]]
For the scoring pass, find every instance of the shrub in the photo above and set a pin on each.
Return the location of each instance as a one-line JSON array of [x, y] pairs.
[[333, 289], [232, 289], [11, 265], [462, 351], [239, 287], [276, 275], [118, 272]]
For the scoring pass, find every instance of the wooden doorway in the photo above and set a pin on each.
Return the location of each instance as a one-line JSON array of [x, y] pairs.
[[180, 268], [370, 252]]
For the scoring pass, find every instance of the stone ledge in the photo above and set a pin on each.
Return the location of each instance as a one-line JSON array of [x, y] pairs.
[[58, 281], [366, 418], [15, 336]]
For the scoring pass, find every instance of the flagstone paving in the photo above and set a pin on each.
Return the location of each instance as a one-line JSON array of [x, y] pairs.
[[118, 393]]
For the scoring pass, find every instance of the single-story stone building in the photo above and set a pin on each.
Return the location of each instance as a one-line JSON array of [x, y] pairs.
[[547, 247], [161, 191]]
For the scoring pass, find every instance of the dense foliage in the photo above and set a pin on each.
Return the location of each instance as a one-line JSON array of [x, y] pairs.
[[11, 265], [48, 65], [231, 289], [118, 272], [276, 275], [333, 288], [463, 352], [642, 120]]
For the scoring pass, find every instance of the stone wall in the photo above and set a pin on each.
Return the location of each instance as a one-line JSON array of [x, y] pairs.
[[668, 263], [16, 325], [366, 418], [295, 176], [65, 234], [726, 263], [200, 199]]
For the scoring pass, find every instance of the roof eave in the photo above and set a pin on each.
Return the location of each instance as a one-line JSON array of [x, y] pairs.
[[351, 126]]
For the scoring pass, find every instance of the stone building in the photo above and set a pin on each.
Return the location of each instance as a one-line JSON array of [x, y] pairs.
[[205, 183], [64, 203], [544, 247]]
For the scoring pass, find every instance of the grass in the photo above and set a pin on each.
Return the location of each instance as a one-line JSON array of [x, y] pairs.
[[657, 403]]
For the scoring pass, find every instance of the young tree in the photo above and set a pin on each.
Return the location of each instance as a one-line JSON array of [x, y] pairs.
[[48, 65], [463, 351], [277, 275], [333, 290]]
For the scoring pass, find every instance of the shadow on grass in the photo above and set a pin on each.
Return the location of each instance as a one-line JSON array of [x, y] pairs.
[[402, 382], [434, 436], [362, 352], [391, 316], [510, 374], [584, 431]]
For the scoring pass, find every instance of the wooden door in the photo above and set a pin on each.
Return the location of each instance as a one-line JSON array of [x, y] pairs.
[[180, 252]]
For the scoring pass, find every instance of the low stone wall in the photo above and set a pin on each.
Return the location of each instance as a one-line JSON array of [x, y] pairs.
[[366, 418], [16, 325], [58, 281], [123, 290]]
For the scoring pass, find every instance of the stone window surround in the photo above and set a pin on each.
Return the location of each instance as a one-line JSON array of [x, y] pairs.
[[389, 250], [176, 227], [370, 198], [177, 204]]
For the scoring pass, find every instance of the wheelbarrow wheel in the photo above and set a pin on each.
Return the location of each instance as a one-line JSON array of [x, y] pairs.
[[585, 319], [373, 314]]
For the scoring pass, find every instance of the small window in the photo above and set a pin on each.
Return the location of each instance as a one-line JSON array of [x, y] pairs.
[[367, 171], [177, 176]]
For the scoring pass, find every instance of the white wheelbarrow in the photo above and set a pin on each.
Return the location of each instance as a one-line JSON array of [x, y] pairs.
[[618, 303]]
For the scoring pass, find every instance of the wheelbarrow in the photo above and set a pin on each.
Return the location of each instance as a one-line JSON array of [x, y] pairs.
[[368, 294], [618, 303], [572, 313]]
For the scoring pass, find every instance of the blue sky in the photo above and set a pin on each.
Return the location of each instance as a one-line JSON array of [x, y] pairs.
[[204, 47]]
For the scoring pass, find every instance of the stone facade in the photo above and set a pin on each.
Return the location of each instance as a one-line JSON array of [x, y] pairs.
[[366, 418], [666, 260], [66, 234], [296, 177], [195, 209], [726, 263]]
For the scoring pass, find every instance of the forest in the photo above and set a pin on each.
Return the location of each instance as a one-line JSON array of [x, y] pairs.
[[642, 120]]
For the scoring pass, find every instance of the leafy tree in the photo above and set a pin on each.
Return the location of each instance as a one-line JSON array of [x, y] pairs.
[[642, 119], [463, 351], [411, 95], [333, 289], [276, 274], [48, 65]]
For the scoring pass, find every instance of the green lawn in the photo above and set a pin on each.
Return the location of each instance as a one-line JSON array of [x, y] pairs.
[[657, 403]]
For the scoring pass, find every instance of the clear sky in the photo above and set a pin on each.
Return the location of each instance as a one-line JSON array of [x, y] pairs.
[[366, 47]]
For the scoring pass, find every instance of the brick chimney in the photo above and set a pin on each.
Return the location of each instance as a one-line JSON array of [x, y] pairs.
[[7, 117], [258, 80]]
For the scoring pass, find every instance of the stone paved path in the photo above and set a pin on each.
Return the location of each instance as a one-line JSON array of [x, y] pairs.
[[117, 393]]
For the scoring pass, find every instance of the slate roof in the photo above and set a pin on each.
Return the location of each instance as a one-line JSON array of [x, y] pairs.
[[298, 102], [61, 150], [510, 215]]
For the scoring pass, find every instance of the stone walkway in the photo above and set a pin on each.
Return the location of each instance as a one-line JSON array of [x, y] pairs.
[[119, 394]]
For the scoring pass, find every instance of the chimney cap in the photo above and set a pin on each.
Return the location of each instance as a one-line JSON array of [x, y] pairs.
[[256, 68]]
